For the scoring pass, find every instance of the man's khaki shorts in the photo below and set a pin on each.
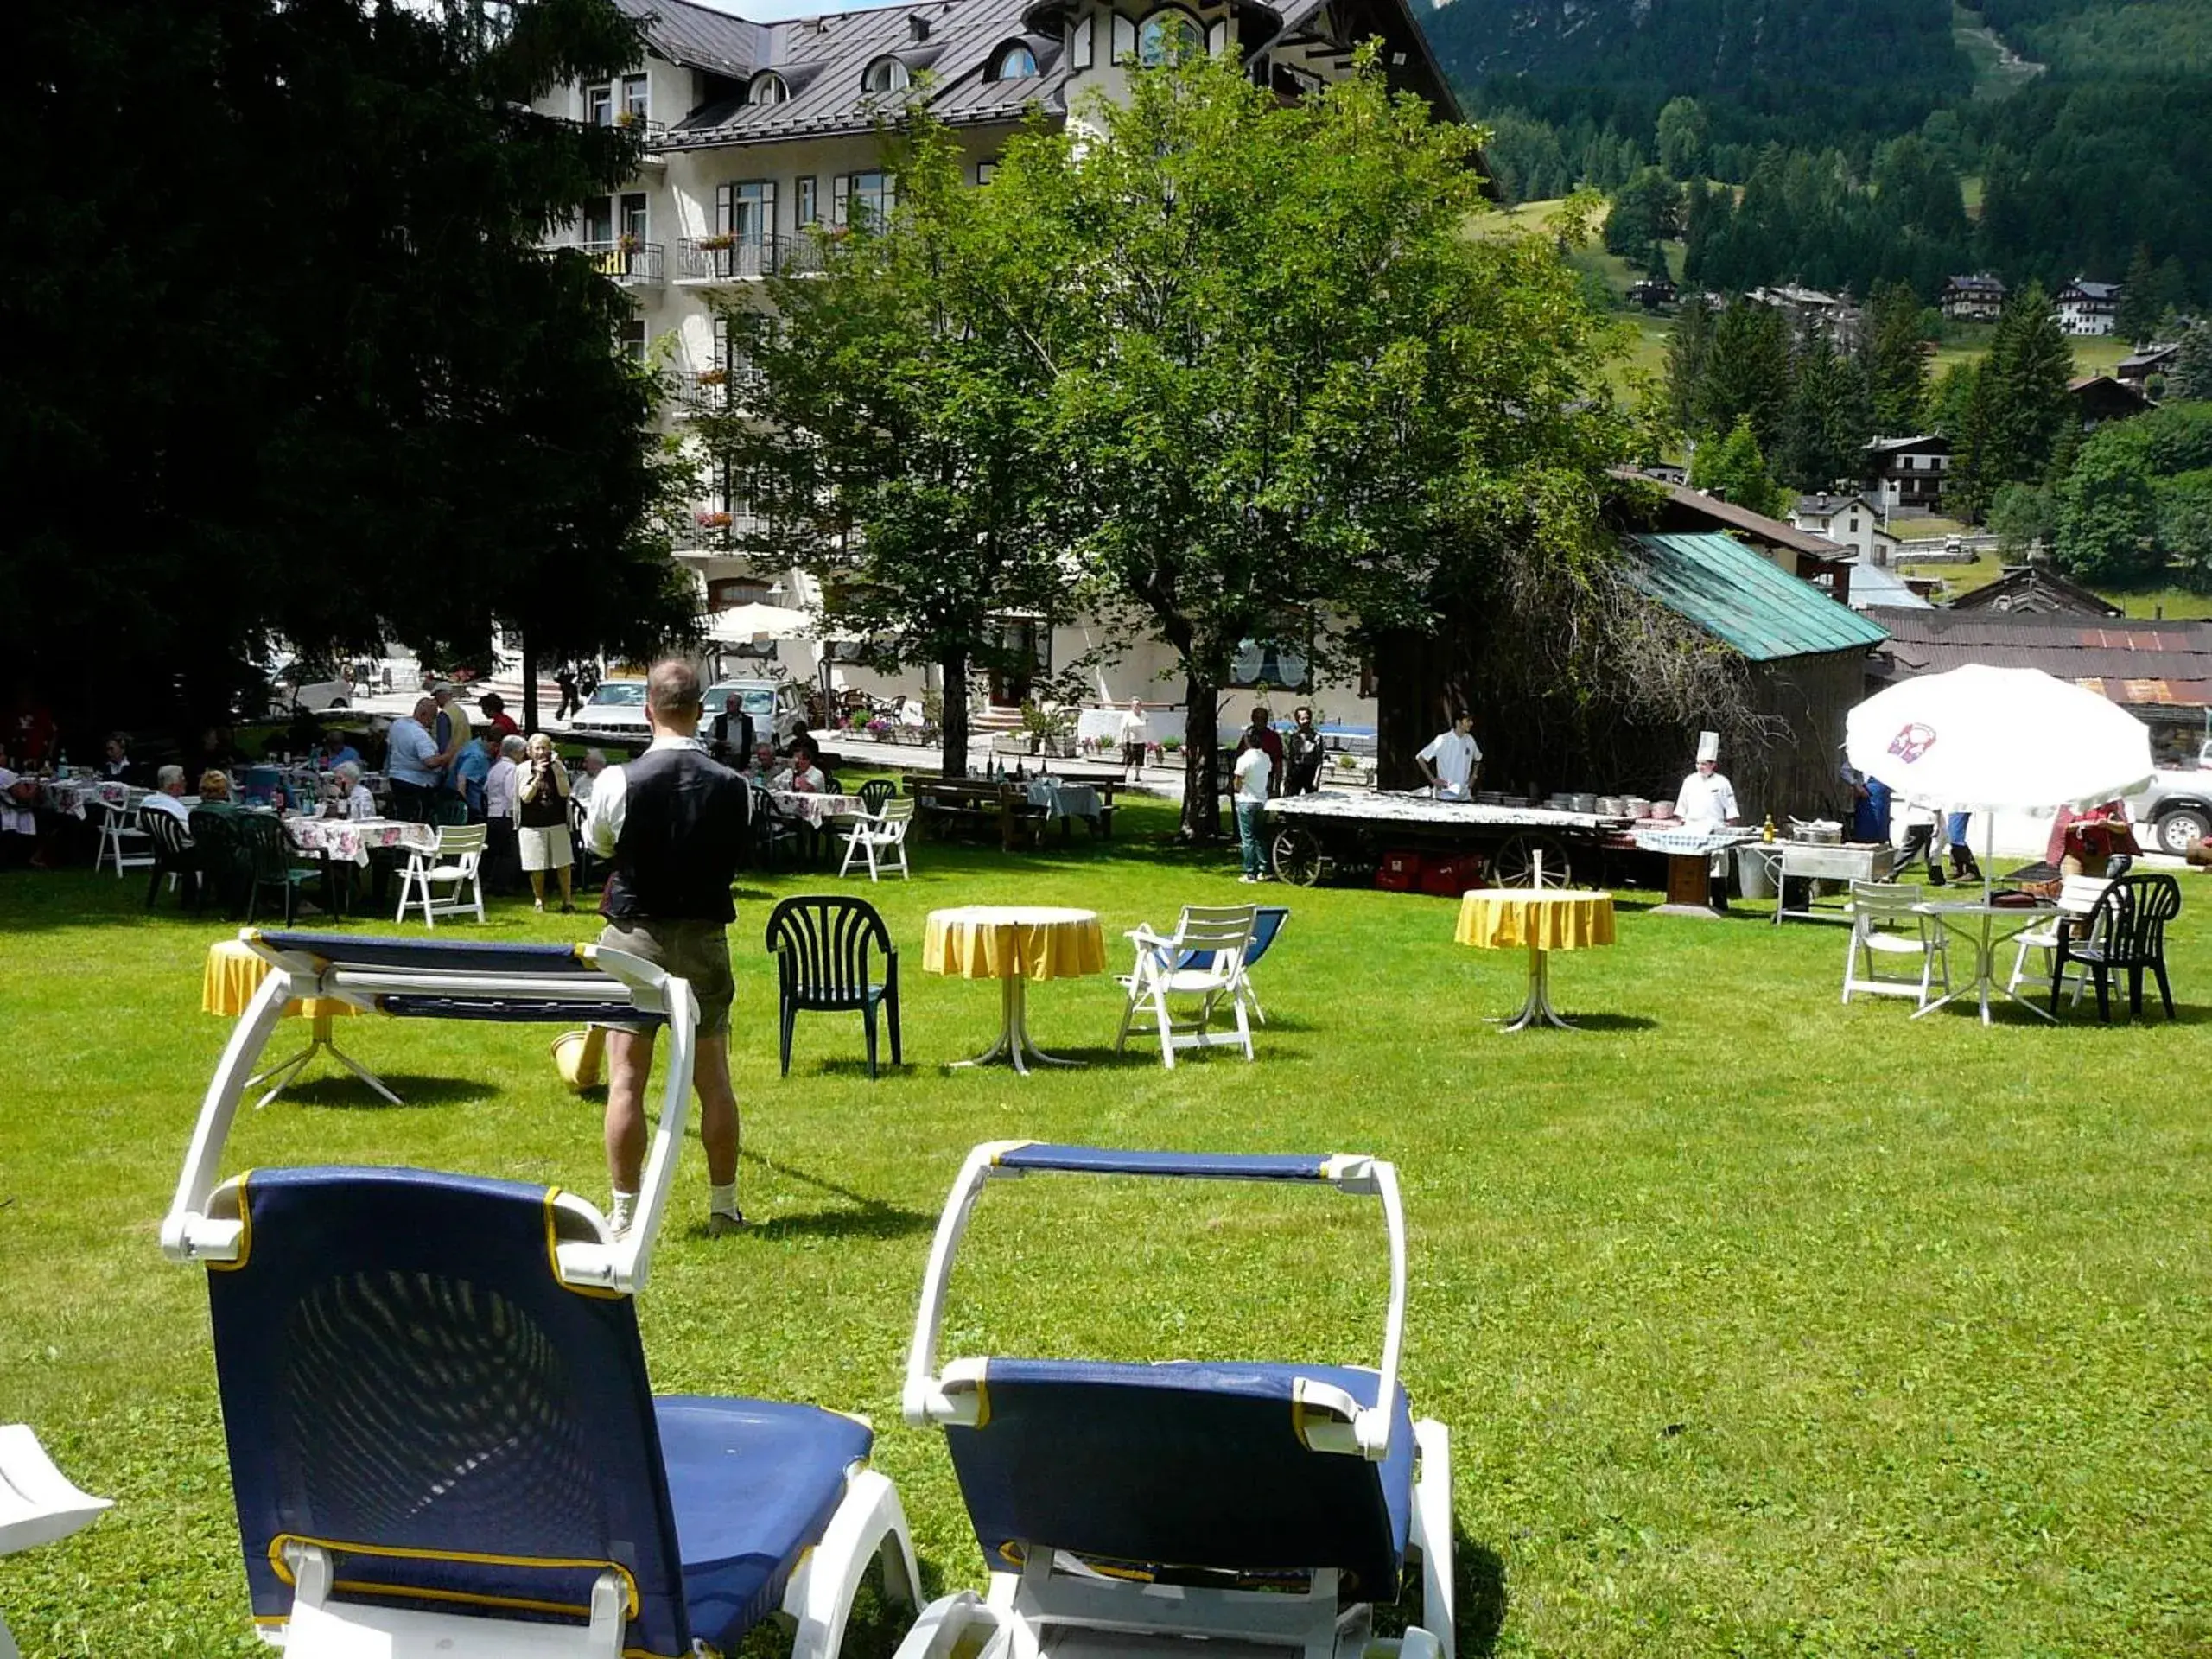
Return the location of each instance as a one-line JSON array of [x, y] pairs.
[[697, 951]]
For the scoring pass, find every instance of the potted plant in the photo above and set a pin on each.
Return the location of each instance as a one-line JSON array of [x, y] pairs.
[[709, 519], [721, 242], [628, 243], [714, 377]]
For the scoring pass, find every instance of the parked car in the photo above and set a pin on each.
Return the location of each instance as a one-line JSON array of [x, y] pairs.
[[615, 713], [305, 683], [776, 707], [2175, 808]]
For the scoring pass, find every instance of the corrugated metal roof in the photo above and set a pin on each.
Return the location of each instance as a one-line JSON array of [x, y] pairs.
[[699, 37], [1732, 594], [2130, 661], [1876, 585]]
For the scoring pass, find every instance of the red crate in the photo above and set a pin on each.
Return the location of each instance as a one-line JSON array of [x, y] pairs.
[[1399, 873], [1449, 876]]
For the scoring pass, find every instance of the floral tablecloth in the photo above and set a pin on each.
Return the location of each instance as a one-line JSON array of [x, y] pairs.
[[75, 795], [352, 840], [818, 810]]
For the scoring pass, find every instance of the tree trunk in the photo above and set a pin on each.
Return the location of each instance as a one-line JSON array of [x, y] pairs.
[[529, 684], [1201, 761], [952, 724]]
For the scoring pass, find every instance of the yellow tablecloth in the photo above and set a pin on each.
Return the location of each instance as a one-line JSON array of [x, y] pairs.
[[1494, 919], [233, 974], [1007, 941]]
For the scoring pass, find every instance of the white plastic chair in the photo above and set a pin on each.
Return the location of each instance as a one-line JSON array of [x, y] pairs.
[[2076, 898], [1885, 924], [1212, 942], [882, 835], [38, 1503], [122, 845], [452, 865]]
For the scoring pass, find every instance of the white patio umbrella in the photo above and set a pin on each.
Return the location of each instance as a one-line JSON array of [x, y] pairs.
[[741, 625], [1980, 740]]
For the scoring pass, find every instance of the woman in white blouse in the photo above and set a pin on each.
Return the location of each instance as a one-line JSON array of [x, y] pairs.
[[354, 796]]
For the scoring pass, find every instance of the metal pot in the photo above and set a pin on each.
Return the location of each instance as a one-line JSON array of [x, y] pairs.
[[1585, 804], [1818, 832], [1610, 807]]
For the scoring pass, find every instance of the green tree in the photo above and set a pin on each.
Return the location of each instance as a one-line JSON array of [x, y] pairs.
[[1896, 361], [1733, 469], [1682, 136], [1646, 210], [2190, 376], [2022, 515], [342, 345], [2108, 516], [895, 435], [1687, 348], [2027, 407], [1290, 395], [1828, 419], [2140, 310], [1746, 373], [2184, 507]]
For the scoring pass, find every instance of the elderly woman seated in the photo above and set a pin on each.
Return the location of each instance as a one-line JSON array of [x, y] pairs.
[[349, 795], [215, 791]]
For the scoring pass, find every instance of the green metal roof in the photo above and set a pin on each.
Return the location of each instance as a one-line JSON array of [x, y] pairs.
[[1741, 598]]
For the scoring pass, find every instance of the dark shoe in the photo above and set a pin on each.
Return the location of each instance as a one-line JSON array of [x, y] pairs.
[[1935, 876], [568, 910], [720, 1223]]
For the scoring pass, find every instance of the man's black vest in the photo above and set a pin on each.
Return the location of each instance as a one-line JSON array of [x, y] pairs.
[[684, 831]]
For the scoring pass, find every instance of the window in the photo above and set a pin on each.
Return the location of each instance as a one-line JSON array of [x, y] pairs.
[[1079, 44], [766, 87], [636, 98], [862, 198], [727, 593], [1168, 37], [746, 214], [630, 340], [1854, 526], [886, 75], [1015, 62], [809, 213], [599, 105], [1124, 43], [983, 171], [634, 222]]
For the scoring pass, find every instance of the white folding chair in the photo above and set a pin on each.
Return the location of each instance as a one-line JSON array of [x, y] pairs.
[[450, 866], [123, 846], [882, 835], [1203, 958], [38, 1502], [1886, 926], [2077, 897]]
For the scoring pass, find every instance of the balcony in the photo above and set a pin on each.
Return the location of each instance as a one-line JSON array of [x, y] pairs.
[[712, 391], [627, 261], [708, 260], [715, 531]]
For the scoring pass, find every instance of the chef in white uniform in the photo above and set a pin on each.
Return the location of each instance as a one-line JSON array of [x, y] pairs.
[[1453, 759], [1707, 800]]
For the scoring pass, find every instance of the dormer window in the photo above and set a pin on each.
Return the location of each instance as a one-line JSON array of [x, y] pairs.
[[766, 87], [1169, 37], [1015, 62], [885, 75]]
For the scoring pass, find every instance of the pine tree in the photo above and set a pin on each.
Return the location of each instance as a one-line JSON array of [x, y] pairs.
[[1896, 361], [2191, 377], [1828, 419], [2137, 316], [2025, 378], [1746, 373], [1734, 469], [1687, 349]]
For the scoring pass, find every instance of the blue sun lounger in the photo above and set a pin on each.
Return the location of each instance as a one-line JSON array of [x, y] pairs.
[[442, 1438], [1260, 1505]]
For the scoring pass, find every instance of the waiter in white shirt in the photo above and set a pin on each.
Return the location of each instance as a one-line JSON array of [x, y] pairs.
[[1452, 759], [1707, 800]]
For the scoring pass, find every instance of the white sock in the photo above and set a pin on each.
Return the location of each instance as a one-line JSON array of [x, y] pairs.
[[722, 1200], [617, 1217]]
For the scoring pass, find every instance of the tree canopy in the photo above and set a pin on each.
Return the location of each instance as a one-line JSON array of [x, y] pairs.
[[284, 355]]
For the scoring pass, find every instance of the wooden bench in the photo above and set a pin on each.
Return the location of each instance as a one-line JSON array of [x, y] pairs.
[[944, 806]]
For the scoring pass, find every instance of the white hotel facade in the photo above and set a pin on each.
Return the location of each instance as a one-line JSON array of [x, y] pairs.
[[756, 131]]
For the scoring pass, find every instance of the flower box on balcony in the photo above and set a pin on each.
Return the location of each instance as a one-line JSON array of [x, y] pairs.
[[626, 243], [721, 244], [629, 118], [713, 520], [714, 377]]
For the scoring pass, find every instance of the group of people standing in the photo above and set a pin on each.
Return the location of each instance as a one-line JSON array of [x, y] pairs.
[[1269, 764]]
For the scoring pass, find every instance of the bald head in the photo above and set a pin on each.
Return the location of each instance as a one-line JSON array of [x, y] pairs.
[[425, 708], [673, 697]]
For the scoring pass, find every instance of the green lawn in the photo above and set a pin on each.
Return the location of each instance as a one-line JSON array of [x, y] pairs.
[[1763, 1325]]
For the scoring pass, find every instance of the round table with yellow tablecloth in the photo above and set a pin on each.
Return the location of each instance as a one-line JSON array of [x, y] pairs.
[[233, 973], [1014, 944], [1545, 920]]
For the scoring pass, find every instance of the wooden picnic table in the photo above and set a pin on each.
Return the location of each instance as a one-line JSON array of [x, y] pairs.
[[948, 805]]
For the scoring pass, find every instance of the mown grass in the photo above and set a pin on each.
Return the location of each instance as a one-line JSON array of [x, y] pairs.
[[1761, 1324]]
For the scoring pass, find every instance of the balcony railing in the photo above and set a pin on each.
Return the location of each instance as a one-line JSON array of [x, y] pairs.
[[713, 392], [743, 259], [627, 261], [717, 529]]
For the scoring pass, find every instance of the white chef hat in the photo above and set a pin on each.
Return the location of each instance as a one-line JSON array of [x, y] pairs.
[[1708, 747]]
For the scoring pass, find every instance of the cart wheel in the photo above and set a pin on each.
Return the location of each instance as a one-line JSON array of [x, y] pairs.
[[1297, 856], [1515, 865]]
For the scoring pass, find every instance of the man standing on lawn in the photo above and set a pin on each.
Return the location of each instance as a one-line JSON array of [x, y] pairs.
[[674, 824]]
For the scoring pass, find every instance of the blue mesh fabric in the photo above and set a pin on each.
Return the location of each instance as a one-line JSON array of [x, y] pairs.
[[1186, 1465], [1213, 1165], [403, 1378], [440, 956]]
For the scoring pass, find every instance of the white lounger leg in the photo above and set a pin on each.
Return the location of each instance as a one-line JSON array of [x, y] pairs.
[[39, 1504], [869, 1526], [949, 1625], [1431, 1535]]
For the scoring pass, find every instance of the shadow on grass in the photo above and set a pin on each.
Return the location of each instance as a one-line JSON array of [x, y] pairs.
[[333, 1087], [1605, 1021], [1480, 1579], [862, 1217], [852, 1068]]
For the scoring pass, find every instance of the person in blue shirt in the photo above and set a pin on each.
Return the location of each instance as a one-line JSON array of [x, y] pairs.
[[335, 752], [470, 768], [412, 764]]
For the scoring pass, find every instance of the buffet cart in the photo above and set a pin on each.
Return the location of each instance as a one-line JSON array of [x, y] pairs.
[[1348, 837]]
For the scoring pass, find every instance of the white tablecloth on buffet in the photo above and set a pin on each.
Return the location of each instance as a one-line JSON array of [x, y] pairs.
[[1062, 800], [75, 795]]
